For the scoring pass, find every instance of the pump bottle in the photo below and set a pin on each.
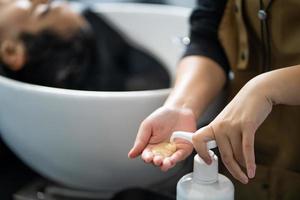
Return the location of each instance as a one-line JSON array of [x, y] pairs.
[[204, 183]]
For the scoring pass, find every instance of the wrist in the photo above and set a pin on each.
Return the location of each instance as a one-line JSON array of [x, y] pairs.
[[261, 87], [183, 105], [281, 85]]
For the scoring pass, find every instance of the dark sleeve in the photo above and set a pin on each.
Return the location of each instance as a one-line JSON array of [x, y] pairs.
[[204, 25]]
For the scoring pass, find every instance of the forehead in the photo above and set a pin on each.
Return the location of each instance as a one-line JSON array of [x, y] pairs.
[[38, 5], [29, 17], [23, 4]]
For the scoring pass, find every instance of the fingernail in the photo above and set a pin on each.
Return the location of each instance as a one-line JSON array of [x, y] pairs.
[[208, 161], [129, 154], [245, 180], [148, 155], [251, 173]]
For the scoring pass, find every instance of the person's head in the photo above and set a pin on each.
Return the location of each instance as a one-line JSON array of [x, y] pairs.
[[44, 44]]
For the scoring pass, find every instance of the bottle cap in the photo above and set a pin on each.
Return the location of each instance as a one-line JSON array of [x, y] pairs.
[[203, 173]]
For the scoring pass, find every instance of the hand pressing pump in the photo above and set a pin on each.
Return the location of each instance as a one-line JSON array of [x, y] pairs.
[[204, 183]]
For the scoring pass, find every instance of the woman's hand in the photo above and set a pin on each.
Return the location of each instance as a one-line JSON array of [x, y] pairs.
[[157, 128], [198, 81], [234, 130]]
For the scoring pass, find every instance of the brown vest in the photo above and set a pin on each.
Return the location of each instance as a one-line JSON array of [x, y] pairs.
[[277, 142]]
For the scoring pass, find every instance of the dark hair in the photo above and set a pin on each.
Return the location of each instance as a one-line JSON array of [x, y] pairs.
[[55, 61]]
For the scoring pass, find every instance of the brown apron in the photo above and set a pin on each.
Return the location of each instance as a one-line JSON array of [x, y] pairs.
[[277, 144]]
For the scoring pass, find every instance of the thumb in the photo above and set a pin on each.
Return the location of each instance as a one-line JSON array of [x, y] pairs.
[[200, 139], [141, 141]]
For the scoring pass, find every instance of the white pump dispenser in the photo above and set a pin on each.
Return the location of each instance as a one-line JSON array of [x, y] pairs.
[[204, 182]]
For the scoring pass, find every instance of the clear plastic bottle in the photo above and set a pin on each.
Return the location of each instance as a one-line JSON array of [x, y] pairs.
[[204, 183]]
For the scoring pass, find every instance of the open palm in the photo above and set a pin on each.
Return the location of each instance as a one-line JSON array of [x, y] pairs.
[[157, 128]]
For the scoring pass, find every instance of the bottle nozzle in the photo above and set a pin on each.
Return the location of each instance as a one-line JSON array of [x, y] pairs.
[[203, 173], [188, 136]]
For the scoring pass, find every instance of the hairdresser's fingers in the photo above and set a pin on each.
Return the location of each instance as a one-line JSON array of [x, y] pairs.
[[248, 151], [142, 140], [147, 155], [200, 139], [157, 160], [167, 164], [236, 145], [228, 158], [180, 155]]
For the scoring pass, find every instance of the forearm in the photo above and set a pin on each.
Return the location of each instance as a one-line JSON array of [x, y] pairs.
[[280, 86], [198, 81]]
